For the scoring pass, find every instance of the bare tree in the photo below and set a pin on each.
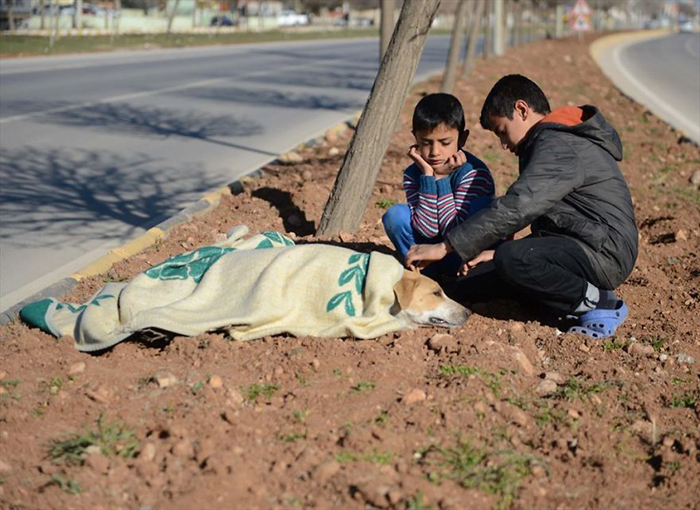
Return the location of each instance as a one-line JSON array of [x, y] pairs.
[[353, 186], [43, 15], [171, 17], [488, 39], [448, 79], [78, 16], [474, 30], [386, 27]]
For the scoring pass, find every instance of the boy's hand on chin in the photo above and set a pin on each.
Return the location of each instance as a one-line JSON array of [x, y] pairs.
[[418, 160], [452, 164]]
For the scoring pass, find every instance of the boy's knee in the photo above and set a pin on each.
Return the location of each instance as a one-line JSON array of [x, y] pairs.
[[507, 260], [398, 216]]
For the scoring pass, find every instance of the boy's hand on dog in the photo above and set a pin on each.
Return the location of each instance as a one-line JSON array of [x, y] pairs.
[[421, 255], [484, 256]]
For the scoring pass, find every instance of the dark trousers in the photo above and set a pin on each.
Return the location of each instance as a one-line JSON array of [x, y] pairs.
[[552, 270]]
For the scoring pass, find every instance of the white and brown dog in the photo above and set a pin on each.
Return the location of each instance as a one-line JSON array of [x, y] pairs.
[[420, 301]]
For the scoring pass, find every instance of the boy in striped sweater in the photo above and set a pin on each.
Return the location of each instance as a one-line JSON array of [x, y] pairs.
[[444, 185]]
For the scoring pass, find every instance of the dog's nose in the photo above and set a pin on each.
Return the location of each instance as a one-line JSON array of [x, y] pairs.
[[467, 313]]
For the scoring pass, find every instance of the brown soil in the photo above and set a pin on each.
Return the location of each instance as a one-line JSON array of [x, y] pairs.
[[505, 412]]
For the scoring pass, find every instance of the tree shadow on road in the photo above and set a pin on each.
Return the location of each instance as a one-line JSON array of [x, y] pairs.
[[159, 122], [273, 98], [89, 195]]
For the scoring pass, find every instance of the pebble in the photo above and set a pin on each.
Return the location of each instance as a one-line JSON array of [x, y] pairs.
[[583, 347], [167, 380], [574, 414], [334, 151], [148, 452], [523, 361], [5, 467], [546, 387], [3, 374], [306, 175], [316, 364], [291, 157], [326, 471], [684, 358], [215, 381], [442, 341], [100, 395], [481, 407], [183, 449], [695, 178], [554, 376], [414, 396], [663, 357], [538, 471], [235, 398], [681, 235], [641, 349], [77, 368]]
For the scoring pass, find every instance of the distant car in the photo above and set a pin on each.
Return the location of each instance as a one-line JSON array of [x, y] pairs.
[[289, 18], [687, 27], [222, 21]]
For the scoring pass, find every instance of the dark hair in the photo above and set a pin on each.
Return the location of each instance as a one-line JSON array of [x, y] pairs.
[[501, 100], [436, 109]]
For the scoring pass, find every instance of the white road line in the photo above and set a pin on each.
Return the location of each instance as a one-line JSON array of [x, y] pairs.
[[666, 111]]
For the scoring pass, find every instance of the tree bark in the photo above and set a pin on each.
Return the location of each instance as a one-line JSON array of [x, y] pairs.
[[171, 17], [358, 173], [78, 18], [474, 38], [448, 79], [43, 15], [11, 16], [386, 27], [488, 39]]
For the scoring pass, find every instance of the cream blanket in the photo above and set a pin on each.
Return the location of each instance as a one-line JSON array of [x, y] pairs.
[[264, 285]]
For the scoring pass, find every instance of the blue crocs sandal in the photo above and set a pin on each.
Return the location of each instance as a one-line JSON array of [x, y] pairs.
[[601, 323]]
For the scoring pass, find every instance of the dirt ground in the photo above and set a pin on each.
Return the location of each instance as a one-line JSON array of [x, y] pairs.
[[506, 412]]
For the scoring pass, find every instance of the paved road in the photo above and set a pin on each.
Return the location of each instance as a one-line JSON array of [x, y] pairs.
[[94, 149], [663, 74]]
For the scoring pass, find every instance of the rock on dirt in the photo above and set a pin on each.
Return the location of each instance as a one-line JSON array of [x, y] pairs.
[[523, 361], [77, 368], [166, 380], [326, 471], [442, 342], [545, 388], [414, 396]]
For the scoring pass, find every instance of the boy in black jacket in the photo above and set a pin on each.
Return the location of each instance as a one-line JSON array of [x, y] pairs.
[[575, 199]]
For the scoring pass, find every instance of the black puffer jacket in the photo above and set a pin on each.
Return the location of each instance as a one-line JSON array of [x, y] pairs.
[[570, 185]]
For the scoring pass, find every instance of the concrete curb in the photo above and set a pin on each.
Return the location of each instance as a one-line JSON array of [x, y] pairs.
[[162, 230]]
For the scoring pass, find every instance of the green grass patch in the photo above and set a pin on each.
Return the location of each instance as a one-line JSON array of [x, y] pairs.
[[612, 345], [292, 437], [67, 485], [687, 194], [686, 400], [113, 439], [492, 380], [573, 389], [385, 203], [374, 456], [416, 502], [494, 472], [255, 391], [363, 386], [657, 343], [300, 416]]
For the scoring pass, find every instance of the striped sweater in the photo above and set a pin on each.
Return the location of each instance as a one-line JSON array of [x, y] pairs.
[[438, 205]]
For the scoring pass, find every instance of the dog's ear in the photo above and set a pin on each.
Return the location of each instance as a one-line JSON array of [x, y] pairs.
[[405, 288]]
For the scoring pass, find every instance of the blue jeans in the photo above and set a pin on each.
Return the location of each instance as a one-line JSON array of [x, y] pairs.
[[397, 224]]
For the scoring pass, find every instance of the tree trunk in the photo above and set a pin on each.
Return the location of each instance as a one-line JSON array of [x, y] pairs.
[[473, 38], [448, 79], [11, 16], [78, 17], [488, 39], [518, 24], [117, 17], [54, 21], [171, 17], [43, 15], [386, 27], [358, 174]]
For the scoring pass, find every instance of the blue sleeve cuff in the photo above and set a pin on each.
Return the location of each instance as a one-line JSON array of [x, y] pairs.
[[427, 185], [444, 187]]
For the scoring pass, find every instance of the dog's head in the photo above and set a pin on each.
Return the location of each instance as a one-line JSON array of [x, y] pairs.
[[420, 301]]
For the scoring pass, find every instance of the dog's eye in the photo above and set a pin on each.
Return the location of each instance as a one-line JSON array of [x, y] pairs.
[[437, 293]]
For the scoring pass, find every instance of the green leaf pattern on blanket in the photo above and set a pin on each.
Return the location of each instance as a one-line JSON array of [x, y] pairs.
[[195, 263], [356, 274], [78, 309], [192, 264]]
